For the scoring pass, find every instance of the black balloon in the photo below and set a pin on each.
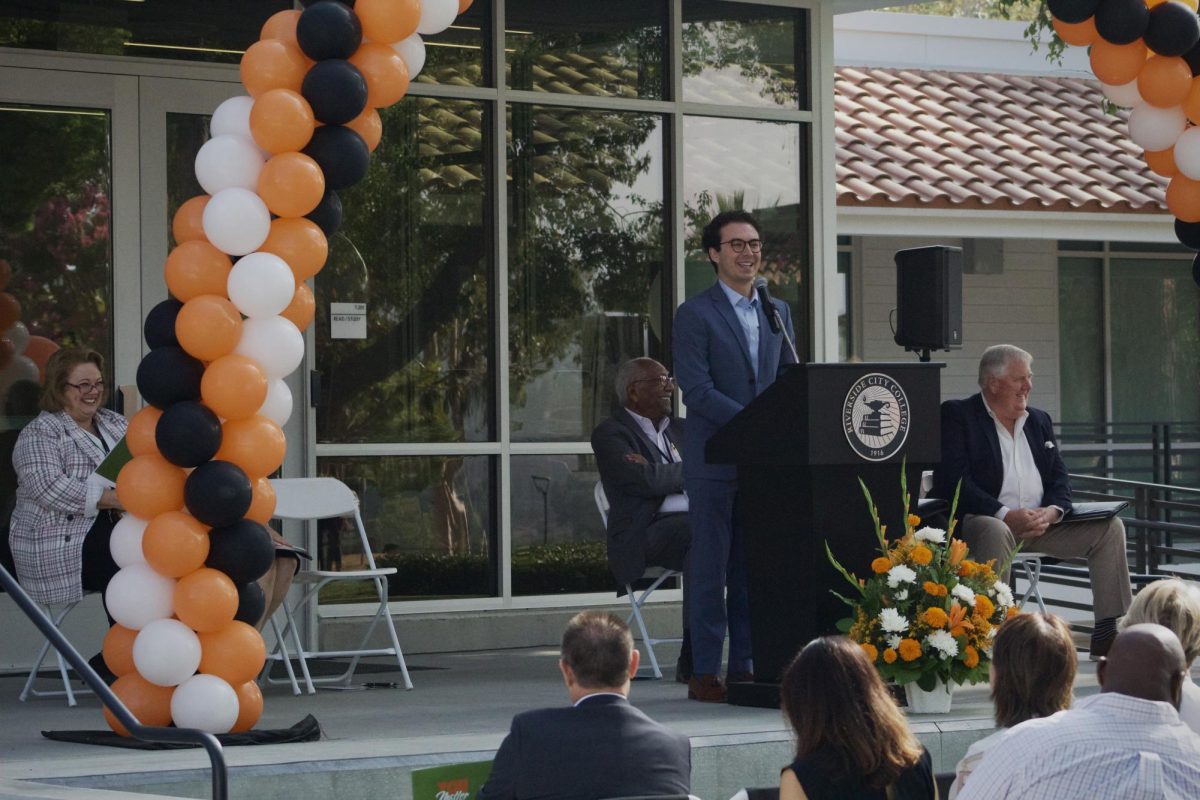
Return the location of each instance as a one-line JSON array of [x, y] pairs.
[[1173, 29], [340, 153], [159, 327], [1122, 21], [1188, 234], [328, 213], [328, 30], [1192, 57], [217, 493], [336, 90], [243, 551], [1072, 10], [168, 375], [251, 603], [188, 434]]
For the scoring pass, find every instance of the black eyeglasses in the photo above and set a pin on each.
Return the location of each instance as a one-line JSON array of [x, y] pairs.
[[739, 245], [87, 387], [662, 380]]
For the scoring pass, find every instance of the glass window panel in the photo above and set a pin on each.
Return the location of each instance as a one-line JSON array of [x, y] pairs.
[[429, 517], [741, 54], [459, 55], [758, 166], [842, 290], [558, 538], [1084, 246], [186, 133], [215, 30], [1081, 339], [586, 262], [416, 248], [1155, 341], [612, 49], [1149, 247]]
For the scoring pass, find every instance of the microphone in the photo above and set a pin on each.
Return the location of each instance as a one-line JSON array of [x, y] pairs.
[[764, 297]]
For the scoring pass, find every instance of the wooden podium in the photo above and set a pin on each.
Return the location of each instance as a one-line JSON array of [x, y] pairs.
[[801, 448]]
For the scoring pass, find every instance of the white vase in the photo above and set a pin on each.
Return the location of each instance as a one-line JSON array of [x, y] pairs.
[[933, 702]]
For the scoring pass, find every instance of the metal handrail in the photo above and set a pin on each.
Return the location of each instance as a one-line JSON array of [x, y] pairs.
[[220, 773]]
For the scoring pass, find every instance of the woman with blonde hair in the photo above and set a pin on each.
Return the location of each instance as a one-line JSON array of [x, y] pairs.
[[852, 741], [1174, 604]]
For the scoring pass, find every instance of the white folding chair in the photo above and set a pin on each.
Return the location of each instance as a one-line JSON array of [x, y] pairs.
[[57, 613], [657, 575], [1031, 565], [321, 498]]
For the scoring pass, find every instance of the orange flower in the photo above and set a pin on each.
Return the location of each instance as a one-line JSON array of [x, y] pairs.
[[970, 657], [967, 568], [984, 607], [921, 554], [934, 589], [935, 617], [881, 565], [958, 551], [889, 656], [1012, 612], [910, 649], [958, 618], [870, 650], [913, 520]]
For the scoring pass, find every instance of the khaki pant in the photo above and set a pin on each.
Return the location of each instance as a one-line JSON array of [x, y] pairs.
[[1101, 542]]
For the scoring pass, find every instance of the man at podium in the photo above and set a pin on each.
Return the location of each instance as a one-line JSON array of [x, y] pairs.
[[725, 355]]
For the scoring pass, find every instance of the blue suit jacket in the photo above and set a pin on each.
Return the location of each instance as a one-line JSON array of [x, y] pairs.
[[971, 451], [712, 362]]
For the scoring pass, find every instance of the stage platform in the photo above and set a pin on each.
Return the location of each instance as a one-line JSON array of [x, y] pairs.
[[459, 710]]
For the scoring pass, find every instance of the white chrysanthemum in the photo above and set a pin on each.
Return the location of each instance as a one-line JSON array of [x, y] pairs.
[[943, 642], [1004, 595], [935, 535], [892, 621], [900, 574], [902, 594], [964, 594], [893, 642]]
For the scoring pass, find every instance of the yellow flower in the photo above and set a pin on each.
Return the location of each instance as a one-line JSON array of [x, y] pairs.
[[984, 606], [913, 520], [958, 551], [881, 565], [910, 649], [921, 554], [889, 656], [935, 589], [935, 617], [970, 657], [967, 568], [870, 650]]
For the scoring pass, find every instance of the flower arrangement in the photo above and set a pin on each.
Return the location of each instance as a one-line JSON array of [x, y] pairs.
[[927, 613]]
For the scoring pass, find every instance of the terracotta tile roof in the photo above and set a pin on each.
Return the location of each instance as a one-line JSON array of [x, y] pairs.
[[928, 139]]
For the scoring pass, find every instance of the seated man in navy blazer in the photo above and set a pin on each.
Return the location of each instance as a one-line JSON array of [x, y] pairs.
[[599, 746], [1014, 485]]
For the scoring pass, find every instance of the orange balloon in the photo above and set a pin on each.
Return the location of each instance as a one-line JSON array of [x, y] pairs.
[[463, 5], [299, 242], [234, 386], [188, 224], [273, 64], [281, 121], [1191, 103], [1164, 81], [7, 351], [385, 71], [1117, 64], [250, 706], [140, 435], [262, 504], [39, 351], [369, 126], [206, 600], [195, 268], [150, 485], [302, 309], [175, 544], [235, 653], [291, 184], [281, 25], [208, 327], [118, 650], [1183, 198], [149, 704], [1079, 34], [1162, 161], [388, 20], [10, 310], [256, 444]]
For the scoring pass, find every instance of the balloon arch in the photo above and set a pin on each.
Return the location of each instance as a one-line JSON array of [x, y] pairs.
[[194, 540]]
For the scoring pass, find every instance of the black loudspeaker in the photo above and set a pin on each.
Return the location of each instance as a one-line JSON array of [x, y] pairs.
[[929, 298]]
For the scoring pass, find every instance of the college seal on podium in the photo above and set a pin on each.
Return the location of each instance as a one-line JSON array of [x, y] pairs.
[[875, 417]]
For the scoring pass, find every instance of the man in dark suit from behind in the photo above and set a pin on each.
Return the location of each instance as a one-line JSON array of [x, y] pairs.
[[637, 453], [600, 746]]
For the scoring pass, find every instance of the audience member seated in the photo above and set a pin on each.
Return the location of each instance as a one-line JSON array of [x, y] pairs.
[[637, 453], [852, 740], [599, 746], [1014, 485], [1126, 742], [1174, 605], [1033, 670]]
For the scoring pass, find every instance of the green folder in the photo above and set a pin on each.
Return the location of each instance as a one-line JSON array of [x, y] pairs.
[[451, 782], [118, 457]]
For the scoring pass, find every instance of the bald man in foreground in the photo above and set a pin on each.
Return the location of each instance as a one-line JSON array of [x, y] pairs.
[[1125, 743]]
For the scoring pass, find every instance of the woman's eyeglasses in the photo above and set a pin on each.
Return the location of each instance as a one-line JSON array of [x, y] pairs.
[[87, 387]]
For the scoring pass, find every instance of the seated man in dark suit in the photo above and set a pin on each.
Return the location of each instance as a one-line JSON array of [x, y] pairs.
[[600, 746], [1014, 485], [640, 466]]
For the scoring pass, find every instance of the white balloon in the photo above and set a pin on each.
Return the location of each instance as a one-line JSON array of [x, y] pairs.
[[1126, 95], [22, 368], [126, 541], [137, 596], [1156, 128], [278, 405], [226, 161], [18, 334], [261, 285], [236, 221], [436, 16], [412, 50], [166, 652], [274, 343], [232, 117], [205, 702], [1187, 153]]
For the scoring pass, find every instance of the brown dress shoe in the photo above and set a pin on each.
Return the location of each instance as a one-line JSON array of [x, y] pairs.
[[739, 677], [706, 689]]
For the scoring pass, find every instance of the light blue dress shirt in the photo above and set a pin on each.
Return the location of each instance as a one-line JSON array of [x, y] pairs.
[[747, 314]]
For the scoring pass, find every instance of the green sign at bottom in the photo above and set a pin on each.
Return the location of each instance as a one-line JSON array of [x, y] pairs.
[[451, 782]]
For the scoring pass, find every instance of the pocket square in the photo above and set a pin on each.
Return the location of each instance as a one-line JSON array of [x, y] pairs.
[[1049, 445]]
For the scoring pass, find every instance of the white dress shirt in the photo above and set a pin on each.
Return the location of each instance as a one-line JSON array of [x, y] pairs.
[[672, 503], [1189, 708], [746, 309], [1022, 486]]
